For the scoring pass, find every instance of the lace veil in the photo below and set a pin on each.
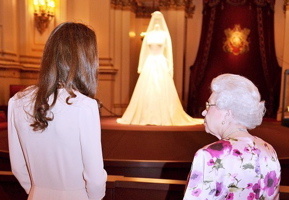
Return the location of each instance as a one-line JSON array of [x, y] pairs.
[[157, 18]]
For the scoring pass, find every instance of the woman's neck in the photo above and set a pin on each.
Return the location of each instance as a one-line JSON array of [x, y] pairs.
[[235, 131]]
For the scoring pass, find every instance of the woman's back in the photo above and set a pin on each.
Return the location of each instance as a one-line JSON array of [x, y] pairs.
[[65, 154], [239, 168]]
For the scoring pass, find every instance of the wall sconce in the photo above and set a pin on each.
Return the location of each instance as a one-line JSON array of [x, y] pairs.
[[142, 35], [236, 40], [43, 14]]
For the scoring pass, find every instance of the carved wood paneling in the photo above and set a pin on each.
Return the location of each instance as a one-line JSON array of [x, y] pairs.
[[144, 8]]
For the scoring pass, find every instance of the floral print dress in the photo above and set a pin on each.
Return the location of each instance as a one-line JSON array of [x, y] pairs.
[[243, 168]]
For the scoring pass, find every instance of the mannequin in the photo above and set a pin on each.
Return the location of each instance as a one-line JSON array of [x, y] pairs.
[[155, 100]]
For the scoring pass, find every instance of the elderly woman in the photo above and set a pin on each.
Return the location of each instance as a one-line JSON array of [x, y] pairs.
[[239, 165]]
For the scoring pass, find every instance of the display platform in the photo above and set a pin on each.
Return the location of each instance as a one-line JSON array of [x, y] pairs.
[[179, 143]]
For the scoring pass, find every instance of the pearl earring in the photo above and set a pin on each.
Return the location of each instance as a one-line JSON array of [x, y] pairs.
[[223, 122]]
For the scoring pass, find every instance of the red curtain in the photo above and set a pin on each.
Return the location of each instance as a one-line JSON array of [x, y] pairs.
[[259, 64]]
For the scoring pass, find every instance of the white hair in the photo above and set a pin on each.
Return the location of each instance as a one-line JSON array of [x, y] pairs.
[[241, 96]]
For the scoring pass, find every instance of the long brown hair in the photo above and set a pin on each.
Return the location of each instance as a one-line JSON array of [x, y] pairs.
[[69, 61]]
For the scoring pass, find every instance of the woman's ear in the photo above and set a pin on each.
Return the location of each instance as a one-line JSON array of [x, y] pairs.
[[228, 115]]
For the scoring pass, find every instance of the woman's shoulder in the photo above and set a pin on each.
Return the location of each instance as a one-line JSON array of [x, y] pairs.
[[264, 146], [261, 141], [83, 100], [23, 99], [250, 142], [25, 95], [84, 104]]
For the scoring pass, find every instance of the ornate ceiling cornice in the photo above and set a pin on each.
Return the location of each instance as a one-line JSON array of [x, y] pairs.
[[144, 8], [212, 3]]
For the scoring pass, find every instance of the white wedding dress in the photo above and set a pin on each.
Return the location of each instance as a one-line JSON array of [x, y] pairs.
[[155, 100]]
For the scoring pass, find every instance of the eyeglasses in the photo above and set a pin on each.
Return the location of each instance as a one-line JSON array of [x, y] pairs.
[[208, 105]]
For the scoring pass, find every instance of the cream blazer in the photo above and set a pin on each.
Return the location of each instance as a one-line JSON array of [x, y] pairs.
[[64, 162]]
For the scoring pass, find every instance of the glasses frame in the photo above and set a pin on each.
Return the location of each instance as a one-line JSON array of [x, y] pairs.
[[208, 105]]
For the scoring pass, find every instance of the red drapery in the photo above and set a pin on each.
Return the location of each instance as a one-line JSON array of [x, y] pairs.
[[259, 64]]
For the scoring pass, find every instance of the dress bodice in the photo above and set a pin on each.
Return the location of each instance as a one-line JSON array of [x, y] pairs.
[[156, 49], [156, 42]]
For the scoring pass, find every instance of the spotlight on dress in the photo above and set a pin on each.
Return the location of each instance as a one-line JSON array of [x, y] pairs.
[[155, 100]]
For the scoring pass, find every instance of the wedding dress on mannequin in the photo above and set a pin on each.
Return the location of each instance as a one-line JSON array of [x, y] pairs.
[[155, 100]]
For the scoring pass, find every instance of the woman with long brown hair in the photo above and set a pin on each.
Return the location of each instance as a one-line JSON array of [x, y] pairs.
[[54, 128]]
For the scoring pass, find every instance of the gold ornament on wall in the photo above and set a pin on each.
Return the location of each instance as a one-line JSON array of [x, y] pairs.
[[43, 14], [236, 40]]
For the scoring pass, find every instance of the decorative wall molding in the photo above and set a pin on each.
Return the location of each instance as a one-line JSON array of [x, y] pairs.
[[105, 62], [17, 72], [1, 38], [30, 60], [144, 8], [286, 5], [17, 66], [8, 56], [20, 70]]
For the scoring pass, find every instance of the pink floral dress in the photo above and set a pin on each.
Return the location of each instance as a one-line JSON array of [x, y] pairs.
[[240, 168]]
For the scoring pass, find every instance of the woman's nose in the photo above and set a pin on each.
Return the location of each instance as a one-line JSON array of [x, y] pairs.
[[204, 113]]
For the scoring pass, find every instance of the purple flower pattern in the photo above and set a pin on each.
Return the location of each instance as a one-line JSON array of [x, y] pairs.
[[196, 192], [236, 152], [219, 187], [256, 189], [230, 196], [234, 169], [270, 182], [219, 148], [195, 177], [251, 196], [211, 162]]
